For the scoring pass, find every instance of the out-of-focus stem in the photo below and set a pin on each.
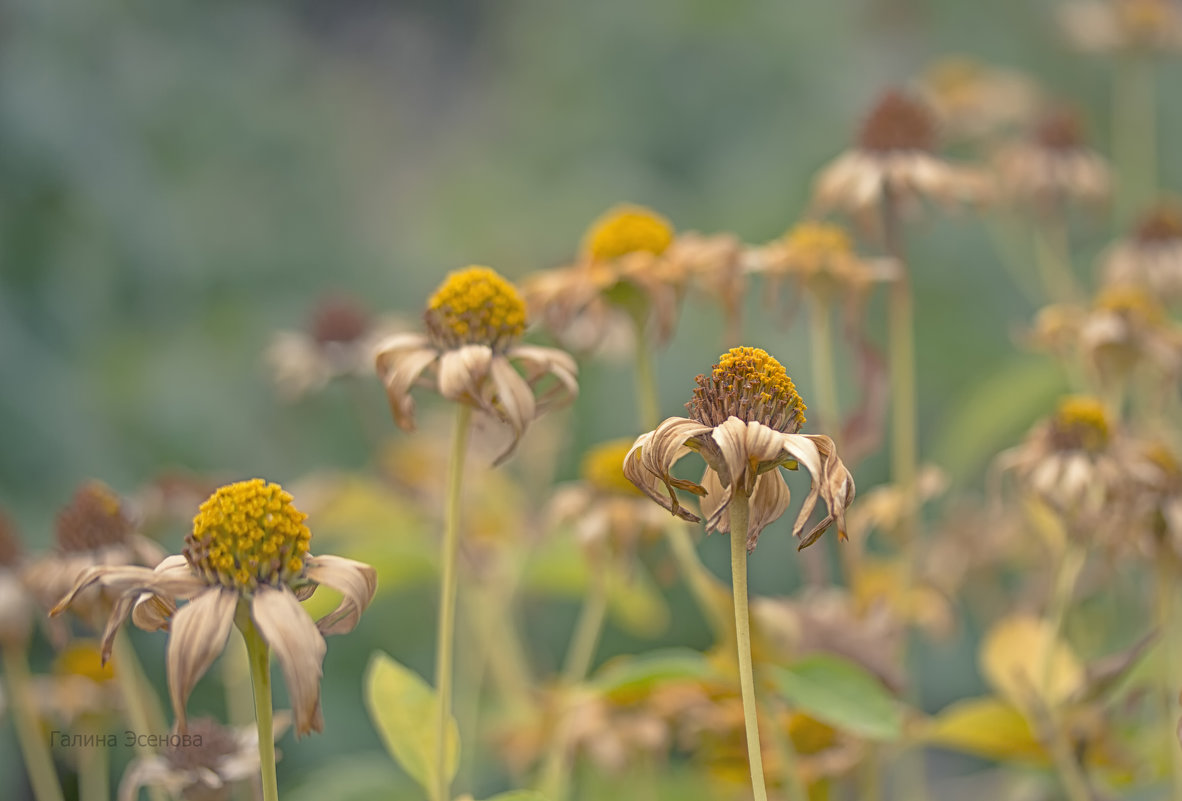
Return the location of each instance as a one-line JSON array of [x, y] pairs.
[[1166, 611], [825, 410], [587, 630], [647, 405], [1053, 257], [38, 761], [701, 582], [139, 700], [1134, 135], [94, 771]]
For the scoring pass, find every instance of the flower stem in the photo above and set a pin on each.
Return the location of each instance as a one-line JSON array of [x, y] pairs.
[[1166, 609], [260, 678], [139, 700], [1134, 134], [824, 376], [738, 535], [38, 761], [94, 771], [1053, 257], [1075, 785], [647, 405], [446, 632], [587, 630]]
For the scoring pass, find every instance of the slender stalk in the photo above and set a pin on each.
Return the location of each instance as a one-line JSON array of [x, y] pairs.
[[1070, 773], [34, 748], [587, 630], [1053, 256], [94, 771], [139, 700], [1134, 134], [647, 405], [446, 633], [701, 581], [1166, 610], [827, 411], [738, 535], [793, 785], [259, 657]]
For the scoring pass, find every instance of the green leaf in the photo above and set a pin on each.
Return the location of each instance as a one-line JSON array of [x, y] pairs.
[[403, 708], [842, 694], [636, 674]]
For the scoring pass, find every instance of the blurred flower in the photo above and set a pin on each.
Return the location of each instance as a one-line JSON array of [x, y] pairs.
[[247, 554], [81, 690], [894, 156], [206, 770], [1152, 256], [16, 604], [1128, 327], [972, 100], [95, 528], [743, 421], [1115, 26], [473, 321], [1159, 497], [632, 269], [1053, 165], [338, 343]]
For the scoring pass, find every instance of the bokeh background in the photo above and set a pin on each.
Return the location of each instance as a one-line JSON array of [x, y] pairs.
[[179, 180]]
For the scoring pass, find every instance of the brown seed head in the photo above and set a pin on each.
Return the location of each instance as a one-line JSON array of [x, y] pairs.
[[749, 384], [1080, 423], [1060, 129], [217, 743], [10, 543], [1161, 225], [898, 122], [339, 319], [94, 519]]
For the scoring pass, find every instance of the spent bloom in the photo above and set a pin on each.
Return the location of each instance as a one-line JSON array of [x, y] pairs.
[[894, 157], [473, 322], [972, 100], [743, 421], [246, 554], [1122, 26], [1151, 256], [1053, 165], [16, 604]]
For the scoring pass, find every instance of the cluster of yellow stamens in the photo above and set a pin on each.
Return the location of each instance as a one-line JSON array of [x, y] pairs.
[[1081, 423], [603, 467], [247, 534], [1132, 303], [475, 306], [627, 229], [84, 658], [749, 384]]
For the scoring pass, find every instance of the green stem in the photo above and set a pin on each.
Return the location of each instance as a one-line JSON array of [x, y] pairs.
[[647, 405], [738, 535], [1053, 256], [1134, 135], [139, 700], [701, 581], [94, 771], [587, 630], [260, 678], [446, 633], [826, 412], [1166, 610], [38, 761], [1070, 773]]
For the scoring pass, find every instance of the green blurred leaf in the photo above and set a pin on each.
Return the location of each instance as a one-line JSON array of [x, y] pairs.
[[518, 795], [403, 707], [842, 694], [354, 778], [635, 603], [634, 674]]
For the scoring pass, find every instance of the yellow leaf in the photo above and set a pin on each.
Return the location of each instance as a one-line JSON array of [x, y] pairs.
[[1021, 663], [986, 727]]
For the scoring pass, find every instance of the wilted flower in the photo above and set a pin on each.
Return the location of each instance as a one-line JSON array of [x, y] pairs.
[[338, 343], [198, 772], [820, 257], [247, 554], [81, 689], [95, 528], [1159, 496], [895, 156], [473, 322], [972, 100], [1116, 26], [16, 605], [1127, 327], [1152, 256], [1054, 165], [743, 421]]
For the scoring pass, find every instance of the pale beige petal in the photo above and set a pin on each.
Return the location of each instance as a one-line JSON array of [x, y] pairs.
[[539, 362], [831, 481], [299, 647], [512, 402], [769, 500], [199, 632], [400, 361], [648, 482], [462, 373], [715, 503], [355, 581], [652, 456]]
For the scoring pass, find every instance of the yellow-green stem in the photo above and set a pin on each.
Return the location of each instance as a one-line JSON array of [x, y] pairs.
[[589, 626], [1070, 773], [824, 410], [34, 747], [1134, 135], [94, 770], [1053, 256], [235, 673], [738, 535], [259, 658], [701, 581], [793, 785], [446, 632], [140, 702], [1167, 624], [647, 404]]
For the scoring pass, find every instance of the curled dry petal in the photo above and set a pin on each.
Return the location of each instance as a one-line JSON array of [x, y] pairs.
[[652, 457], [512, 401], [355, 581], [199, 631], [462, 373], [299, 647], [400, 361]]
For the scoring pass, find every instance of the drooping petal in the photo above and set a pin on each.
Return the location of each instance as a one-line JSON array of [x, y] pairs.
[[355, 581], [462, 373], [199, 632], [716, 502], [769, 500], [299, 647], [512, 401], [653, 455], [400, 361], [539, 362], [831, 481]]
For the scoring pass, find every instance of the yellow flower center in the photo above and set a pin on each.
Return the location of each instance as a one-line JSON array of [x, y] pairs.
[[603, 467], [749, 384], [1131, 302], [475, 306], [1081, 423], [83, 658], [1162, 456], [1144, 18], [627, 229], [818, 240], [247, 534]]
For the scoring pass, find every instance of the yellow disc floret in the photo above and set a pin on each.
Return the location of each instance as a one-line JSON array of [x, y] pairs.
[[627, 229], [1081, 422], [749, 384], [247, 534], [84, 658], [475, 306], [818, 239], [603, 467], [1131, 302]]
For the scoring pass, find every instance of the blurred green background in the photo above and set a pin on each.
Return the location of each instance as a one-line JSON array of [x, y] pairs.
[[179, 180]]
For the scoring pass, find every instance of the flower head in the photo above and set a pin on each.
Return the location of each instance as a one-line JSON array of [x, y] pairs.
[[743, 421], [16, 605], [248, 549], [1151, 256], [627, 229], [972, 100], [1054, 164], [1122, 26], [473, 322]]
